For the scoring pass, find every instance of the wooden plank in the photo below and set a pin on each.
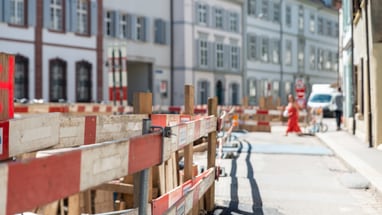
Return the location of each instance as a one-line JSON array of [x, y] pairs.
[[7, 66], [211, 155], [74, 204], [49, 209], [116, 187], [188, 150]]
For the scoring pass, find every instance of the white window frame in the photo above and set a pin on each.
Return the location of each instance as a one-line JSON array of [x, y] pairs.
[[252, 45], [312, 57], [219, 55], [276, 12], [202, 11], [140, 28], [275, 52], [17, 12], [233, 22], [265, 9], [251, 7], [265, 49], [300, 56], [109, 23], [219, 18], [288, 52], [82, 16], [56, 15], [203, 49], [235, 57], [312, 23]]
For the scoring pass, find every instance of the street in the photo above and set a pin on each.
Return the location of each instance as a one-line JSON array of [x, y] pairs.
[[269, 173]]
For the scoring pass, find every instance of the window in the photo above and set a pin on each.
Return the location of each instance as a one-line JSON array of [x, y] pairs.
[[329, 28], [288, 16], [335, 62], [21, 77], [57, 80], [320, 26], [203, 48], [276, 12], [312, 57], [312, 23], [300, 56], [336, 29], [124, 26], [235, 57], [202, 13], [320, 64], [251, 7], [83, 16], [234, 88], [300, 18], [328, 61], [108, 21], [56, 15], [288, 53], [219, 55], [203, 87], [83, 82], [140, 27], [18, 12], [275, 51], [264, 10], [219, 18], [233, 22], [252, 46], [160, 31], [252, 92], [265, 49]]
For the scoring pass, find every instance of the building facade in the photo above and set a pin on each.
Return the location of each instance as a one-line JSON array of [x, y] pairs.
[[56, 58], [208, 50], [367, 52], [289, 41]]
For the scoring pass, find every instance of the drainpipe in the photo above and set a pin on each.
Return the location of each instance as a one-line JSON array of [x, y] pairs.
[[282, 87], [354, 90], [368, 76], [172, 51]]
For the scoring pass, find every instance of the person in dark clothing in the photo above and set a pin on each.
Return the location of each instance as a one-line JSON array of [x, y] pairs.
[[338, 102]]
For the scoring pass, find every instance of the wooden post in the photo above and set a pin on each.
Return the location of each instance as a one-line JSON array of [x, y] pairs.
[[142, 105], [211, 154], [188, 150], [74, 204], [7, 66]]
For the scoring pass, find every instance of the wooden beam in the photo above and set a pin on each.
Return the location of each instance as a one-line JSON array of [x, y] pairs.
[[188, 150], [117, 187], [211, 154]]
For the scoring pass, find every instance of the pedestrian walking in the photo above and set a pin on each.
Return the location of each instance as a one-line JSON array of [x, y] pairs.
[[338, 105], [293, 116]]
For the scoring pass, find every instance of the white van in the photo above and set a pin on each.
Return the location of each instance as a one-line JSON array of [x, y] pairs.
[[322, 96]]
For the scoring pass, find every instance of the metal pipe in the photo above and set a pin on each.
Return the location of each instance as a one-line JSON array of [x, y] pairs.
[[144, 176], [354, 81], [370, 131], [172, 52], [113, 72], [120, 77]]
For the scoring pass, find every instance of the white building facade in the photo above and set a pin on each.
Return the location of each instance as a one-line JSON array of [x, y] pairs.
[[138, 31], [286, 41], [55, 47], [208, 50]]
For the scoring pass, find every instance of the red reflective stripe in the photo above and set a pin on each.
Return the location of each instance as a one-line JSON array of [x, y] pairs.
[[90, 130], [11, 63], [4, 140], [262, 111], [42, 180]]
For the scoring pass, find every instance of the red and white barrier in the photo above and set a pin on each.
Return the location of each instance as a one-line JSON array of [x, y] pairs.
[[58, 173]]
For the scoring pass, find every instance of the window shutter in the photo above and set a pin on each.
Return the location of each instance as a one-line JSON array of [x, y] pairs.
[[197, 53], [226, 18], [7, 10], [73, 18], [238, 22], [157, 31], [239, 61], [259, 43], [93, 17], [208, 15], [227, 57], [68, 16], [167, 32], [213, 17], [129, 26], [31, 12], [270, 47], [211, 55], [249, 49], [1, 12], [147, 28], [196, 12], [133, 22], [46, 17], [115, 24]]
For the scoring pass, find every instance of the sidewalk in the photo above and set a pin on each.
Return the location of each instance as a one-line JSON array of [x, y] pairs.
[[355, 153]]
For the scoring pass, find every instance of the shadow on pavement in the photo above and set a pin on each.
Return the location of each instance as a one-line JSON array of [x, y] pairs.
[[233, 207]]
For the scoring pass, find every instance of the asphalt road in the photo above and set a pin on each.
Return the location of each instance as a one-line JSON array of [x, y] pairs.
[[269, 173]]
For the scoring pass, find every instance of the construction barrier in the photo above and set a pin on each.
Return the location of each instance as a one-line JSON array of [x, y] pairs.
[[49, 157]]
